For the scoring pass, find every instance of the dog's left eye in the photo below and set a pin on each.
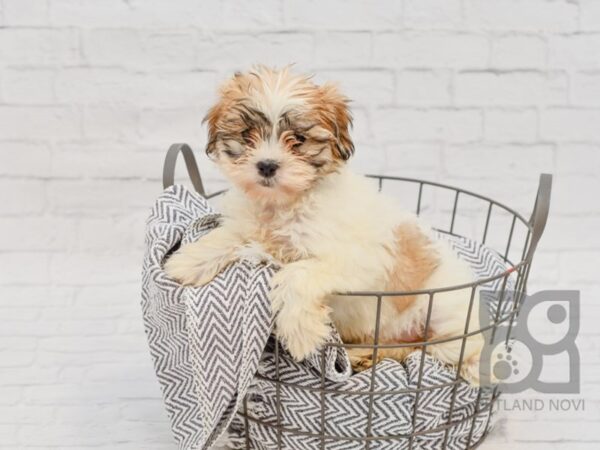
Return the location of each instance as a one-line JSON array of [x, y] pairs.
[[299, 140], [247, 136]]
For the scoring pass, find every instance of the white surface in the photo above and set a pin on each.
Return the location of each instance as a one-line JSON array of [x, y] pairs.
[[482, 94]]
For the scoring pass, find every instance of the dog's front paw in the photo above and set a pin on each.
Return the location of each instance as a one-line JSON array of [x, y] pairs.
[[359, 359], [255, 253], [187, 269], [302, 322], [302, 331]]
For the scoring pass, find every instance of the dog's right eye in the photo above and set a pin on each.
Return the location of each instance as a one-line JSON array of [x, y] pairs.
[[231, 153]]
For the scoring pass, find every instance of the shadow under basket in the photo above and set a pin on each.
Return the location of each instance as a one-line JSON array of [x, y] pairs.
[[419, 404]]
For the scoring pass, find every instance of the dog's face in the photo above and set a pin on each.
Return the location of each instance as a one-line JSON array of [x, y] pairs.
[[275, 134]]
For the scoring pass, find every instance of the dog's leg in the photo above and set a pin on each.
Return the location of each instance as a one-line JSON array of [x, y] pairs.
[[449, 353], [362, 358], [298, 296], [199, 262]]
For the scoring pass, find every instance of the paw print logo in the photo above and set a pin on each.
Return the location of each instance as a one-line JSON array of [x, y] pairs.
[[510, 363], [505, 366], [513, 357]]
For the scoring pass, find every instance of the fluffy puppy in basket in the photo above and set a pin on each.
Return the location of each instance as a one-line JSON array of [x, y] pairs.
[[284, 141]]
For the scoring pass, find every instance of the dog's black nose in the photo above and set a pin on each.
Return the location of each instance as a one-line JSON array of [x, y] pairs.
[[267, 167]]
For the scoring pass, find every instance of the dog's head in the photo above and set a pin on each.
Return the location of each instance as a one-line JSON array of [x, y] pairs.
[[275, 134]]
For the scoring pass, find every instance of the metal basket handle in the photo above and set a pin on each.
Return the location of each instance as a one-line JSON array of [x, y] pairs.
[[190, 163], [539, 216]]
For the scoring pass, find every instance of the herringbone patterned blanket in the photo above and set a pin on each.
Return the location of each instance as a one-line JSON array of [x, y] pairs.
[[211, 346]]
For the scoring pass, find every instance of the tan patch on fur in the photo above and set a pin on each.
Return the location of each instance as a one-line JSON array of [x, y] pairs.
[[415, 261], [279, 246]]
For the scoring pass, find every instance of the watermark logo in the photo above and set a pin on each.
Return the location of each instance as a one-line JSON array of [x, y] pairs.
[[518, 353], [553, 404]]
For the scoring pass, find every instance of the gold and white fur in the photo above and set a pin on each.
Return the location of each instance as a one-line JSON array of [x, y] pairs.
[[328, 229]]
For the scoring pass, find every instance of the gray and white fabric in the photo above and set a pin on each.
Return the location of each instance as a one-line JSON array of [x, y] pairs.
[[211, 346]]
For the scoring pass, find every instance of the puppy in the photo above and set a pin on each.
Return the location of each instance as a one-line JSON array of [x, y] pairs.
[[284, 141]]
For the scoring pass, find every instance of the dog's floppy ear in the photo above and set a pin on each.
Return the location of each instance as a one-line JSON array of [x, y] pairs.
[[212, 118], [227, 91], [340, 118]]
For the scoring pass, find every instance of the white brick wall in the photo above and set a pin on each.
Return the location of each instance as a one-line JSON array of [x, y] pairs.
[[485, 94]]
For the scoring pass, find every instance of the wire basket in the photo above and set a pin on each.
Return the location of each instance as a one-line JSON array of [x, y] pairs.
[[452, 211]]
